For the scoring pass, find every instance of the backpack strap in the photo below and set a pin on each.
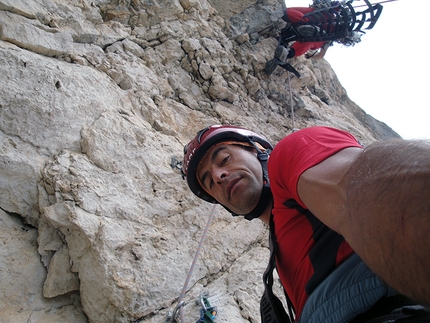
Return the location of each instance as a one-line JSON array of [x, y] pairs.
[[271, 308], [397, 308]]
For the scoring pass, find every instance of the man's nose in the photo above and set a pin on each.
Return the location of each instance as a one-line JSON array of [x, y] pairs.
[[219, 175]]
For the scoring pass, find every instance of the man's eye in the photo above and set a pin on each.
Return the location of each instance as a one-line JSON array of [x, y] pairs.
[[225, 160], [211, 183]]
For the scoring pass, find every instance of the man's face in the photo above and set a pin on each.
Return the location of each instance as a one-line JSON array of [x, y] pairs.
[[233, 176]]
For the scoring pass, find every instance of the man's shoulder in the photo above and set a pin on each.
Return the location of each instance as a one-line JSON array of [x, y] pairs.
[[322, 134], [307, 147]]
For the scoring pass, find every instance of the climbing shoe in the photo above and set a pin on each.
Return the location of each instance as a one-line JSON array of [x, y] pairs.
[[281, 54]]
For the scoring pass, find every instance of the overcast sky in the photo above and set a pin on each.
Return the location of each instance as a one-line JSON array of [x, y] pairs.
[[386, 74]]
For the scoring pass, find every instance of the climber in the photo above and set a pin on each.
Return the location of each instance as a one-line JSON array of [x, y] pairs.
[[336, 208], [284, 52], [317, 27]]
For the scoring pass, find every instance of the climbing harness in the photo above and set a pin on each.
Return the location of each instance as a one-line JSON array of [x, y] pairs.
[[177, 315]]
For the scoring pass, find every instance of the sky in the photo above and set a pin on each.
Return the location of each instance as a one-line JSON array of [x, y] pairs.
[[386, 74]]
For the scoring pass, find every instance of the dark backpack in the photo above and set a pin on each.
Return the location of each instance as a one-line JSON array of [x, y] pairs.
[[394, 309], [337, 23]]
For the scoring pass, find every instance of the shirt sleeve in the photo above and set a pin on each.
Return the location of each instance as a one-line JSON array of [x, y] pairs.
[[300, 151]]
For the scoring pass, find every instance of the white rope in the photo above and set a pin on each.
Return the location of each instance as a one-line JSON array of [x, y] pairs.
[[291, 103], [365, 5], [193, 264]]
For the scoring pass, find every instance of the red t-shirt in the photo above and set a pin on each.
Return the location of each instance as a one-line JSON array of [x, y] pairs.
[[295, 14], [301, 48], [308, 250]]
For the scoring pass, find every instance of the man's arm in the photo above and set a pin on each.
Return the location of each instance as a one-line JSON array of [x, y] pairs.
[[321, 53], [379, 200]]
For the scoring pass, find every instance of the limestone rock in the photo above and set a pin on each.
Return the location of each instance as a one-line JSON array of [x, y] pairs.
[[22, 276], [97, 100]]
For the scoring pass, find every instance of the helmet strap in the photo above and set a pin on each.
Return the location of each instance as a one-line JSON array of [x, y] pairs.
[[265, 199], [266, 195], [263, 157]]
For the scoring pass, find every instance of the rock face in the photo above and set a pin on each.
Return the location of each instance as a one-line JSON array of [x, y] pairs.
[[97, 98]]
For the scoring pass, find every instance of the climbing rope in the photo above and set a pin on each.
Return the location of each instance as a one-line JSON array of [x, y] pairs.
[[363, 5], [180, 307], [291, 102]]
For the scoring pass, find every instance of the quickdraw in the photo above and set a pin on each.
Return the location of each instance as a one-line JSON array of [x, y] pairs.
[[174, 316], [208, 313]]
